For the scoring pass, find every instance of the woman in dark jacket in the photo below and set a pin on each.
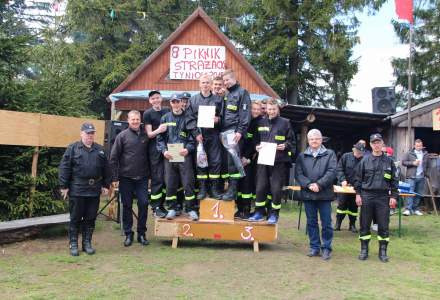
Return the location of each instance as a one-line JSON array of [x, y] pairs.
[[315, 172]]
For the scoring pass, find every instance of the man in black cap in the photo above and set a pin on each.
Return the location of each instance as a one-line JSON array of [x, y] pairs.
[[376, 190], [84, 174], [153, 127], [184, 97], [129, 161], [182, 171], [345, 173]]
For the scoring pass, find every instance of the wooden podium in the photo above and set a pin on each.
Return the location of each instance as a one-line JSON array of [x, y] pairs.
[[216, 223]]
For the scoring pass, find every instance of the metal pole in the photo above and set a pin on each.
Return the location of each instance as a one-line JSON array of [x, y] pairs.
[[409, 129]]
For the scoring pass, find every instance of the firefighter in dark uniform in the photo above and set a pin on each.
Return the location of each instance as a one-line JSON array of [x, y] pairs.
[[246, 190], [176, 172], [208, 136], [151, 119], [236, 116], [273, 129], [84, 174], [345, 173], [376, 190]]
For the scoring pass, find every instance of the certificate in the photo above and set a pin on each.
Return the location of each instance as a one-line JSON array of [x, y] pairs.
[[206, 116], [267, 153], [174, 150]]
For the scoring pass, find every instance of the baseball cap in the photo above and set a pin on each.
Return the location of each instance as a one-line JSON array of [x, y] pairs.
[[185, 95], [359, 146], [88, 127], [376, 137], [175, 97]]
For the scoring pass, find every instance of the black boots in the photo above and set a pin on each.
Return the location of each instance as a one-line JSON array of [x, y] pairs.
[[364, 250], [383, 257], [243, 211], [352, 227], [129, 239], [87, 240], [203, 190], [142, 240], [231, 193], [339, 218], [73, 241], [216, 192]]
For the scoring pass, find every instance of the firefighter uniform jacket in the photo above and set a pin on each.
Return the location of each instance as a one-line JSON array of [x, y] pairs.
[[376, 174], [84, 170], [347, 167], [279, 131], [192, 114], [236, 110], [250, 137], [176, 133]]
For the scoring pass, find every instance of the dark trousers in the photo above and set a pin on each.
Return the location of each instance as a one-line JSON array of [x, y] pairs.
[[347, 206], [312, 207], [247, 185], [213, 149], [83, 211], [176, 173], [375, 205], [157, 187], [270, 180], [128, 188]]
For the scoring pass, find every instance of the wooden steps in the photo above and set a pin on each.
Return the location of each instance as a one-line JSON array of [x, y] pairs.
[[216, 223]]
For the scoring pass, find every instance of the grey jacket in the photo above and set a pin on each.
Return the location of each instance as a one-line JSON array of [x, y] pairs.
[[408, 162]]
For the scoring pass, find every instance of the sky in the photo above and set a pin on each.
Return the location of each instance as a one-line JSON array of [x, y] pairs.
[[378, 45]]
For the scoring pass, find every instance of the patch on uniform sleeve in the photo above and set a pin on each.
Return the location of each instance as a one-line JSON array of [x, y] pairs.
[[244, 106]]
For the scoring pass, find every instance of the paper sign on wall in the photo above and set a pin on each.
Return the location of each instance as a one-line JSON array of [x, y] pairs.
[[190, 61]]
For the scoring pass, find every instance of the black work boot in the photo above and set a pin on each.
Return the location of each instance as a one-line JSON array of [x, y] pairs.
[[239, 211], [383, 245], [216, 193], [363, 255], [203, 190], [339, 218], [352, 226], [231, 193], [73, 242], [87, 240], [128, 239], [246, 212], [142, 239]]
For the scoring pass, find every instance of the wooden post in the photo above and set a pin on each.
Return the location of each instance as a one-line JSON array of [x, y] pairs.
[[303, 138], [33, 175], [432, 196], [256, 246], [174, 243]]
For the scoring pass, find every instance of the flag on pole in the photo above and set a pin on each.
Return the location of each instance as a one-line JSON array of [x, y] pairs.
[[404, 10]]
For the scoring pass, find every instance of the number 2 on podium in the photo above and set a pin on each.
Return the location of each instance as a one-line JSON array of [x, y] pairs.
[[186, 228], [216, 210]]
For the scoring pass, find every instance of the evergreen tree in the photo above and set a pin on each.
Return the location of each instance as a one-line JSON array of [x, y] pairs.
[[425, 62]]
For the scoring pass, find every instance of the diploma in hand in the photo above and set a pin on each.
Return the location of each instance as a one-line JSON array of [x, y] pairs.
[[267, 153], [174, 150], [206, 116]]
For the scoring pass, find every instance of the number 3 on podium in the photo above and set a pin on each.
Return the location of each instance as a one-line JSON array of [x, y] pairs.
[[247, 234]]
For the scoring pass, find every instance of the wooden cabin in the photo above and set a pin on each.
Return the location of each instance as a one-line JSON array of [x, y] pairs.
[[197, 46]]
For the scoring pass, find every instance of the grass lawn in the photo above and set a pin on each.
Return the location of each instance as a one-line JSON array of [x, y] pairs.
[[42, 269]]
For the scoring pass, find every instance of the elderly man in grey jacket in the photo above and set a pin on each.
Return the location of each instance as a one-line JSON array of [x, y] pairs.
[[315, 172]]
